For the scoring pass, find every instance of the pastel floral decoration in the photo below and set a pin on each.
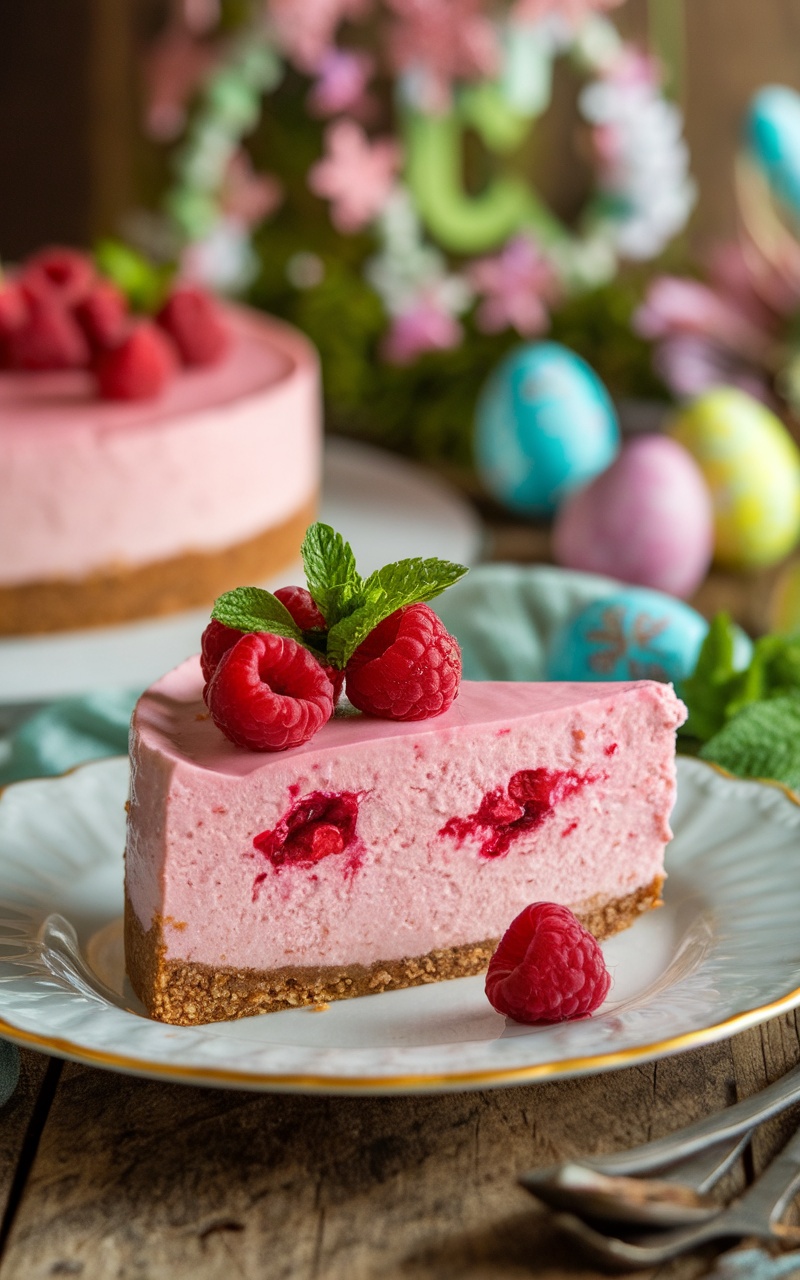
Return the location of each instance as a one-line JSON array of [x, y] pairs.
[[517, 287], [574, 11], [306, 29], [341, 85], [355, 175], [444, 40]]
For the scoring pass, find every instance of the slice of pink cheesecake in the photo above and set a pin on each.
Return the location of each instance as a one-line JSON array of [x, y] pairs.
[[384, 854]]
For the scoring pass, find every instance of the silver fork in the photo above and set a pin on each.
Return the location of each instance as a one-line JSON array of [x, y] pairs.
[[754, 1213], [688, 1164]]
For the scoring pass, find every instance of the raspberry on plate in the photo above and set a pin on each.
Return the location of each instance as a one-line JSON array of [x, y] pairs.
[[194, 322], [139, 367], [547, 968], [408, 668], [268, 693]]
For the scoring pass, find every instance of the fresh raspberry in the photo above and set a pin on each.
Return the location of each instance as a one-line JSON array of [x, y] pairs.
[[194, 321], [301, 606], [13, 308], [65, 275], [13, 314], [305, 613], [268, 693], [103, 315], [547, 968], [408, 668], [139, 367], [215, 642], [48, 338]]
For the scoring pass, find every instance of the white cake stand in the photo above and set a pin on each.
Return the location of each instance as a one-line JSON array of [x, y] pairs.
[[386, 507]]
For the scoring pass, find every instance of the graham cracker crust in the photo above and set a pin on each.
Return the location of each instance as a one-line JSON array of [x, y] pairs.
[[122, 594], [188, 994]]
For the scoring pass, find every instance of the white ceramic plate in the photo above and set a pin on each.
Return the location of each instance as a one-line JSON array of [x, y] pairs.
[[721, 955], [386, 507]]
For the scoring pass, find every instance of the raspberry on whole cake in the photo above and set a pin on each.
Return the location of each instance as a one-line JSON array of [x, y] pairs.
[[378, 852], [159, 445]]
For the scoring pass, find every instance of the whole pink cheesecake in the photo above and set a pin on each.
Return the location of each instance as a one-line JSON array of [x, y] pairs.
[[383, 854], [111, 511]]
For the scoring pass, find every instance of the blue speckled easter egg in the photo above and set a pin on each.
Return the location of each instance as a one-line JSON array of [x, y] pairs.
[[634, 635], [544, 425], [773, 138]]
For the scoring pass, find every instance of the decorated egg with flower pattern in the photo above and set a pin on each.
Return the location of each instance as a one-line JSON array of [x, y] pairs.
[[544, 425], [752, 468], [634, 634], [647, 519]]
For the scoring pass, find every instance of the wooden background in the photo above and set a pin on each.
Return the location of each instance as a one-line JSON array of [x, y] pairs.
[[72, 158]]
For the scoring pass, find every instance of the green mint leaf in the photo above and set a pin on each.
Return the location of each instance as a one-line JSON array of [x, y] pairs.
[[761, 741], [143, 284], [709, 689], [253, 609], [388, 589], [333, 580]]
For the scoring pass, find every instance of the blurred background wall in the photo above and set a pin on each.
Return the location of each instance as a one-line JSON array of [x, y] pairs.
[[73, 158]]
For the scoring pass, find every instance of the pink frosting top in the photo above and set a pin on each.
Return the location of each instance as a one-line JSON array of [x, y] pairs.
[[222, 454], [377, 839]]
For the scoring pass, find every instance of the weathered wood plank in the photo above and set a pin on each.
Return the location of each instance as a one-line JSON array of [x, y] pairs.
[[140, 1179], [20, 1121]]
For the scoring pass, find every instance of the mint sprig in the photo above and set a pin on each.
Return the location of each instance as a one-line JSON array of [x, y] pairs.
[[716, 691], [333, 580], [351, 606], [393, 587]]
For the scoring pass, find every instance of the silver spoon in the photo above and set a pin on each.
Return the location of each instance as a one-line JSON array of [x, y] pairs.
[[754, 1213], [678, 1198], [701, 1154]]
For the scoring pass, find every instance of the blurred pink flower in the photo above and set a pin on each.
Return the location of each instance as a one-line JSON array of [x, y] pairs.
[[356, 175], [426, 326], [174, 66], [446, 39], [200, 15], [690, 364], [734, 330], [575, 11], [248, 196], [343, 75], [517, 285], [676, 306], [306, 29]]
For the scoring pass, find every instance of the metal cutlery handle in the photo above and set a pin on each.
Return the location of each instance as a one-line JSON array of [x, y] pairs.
[[695, 1137], [772, 1191]]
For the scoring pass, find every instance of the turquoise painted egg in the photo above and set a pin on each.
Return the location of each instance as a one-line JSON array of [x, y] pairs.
[[635, 634], [773, 137], [544, 426]]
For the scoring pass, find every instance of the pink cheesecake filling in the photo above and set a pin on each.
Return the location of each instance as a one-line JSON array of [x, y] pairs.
[[381, 840], [225, 453]]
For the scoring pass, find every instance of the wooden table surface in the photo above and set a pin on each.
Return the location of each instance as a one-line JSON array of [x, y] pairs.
[[105, 1176], [108, 1177]]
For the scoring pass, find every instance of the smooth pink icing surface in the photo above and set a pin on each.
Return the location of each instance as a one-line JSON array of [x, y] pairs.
[[405, 880], [224, 453]]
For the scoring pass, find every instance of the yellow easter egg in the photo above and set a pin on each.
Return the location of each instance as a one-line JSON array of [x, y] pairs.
[[752, 468], [784, 605]]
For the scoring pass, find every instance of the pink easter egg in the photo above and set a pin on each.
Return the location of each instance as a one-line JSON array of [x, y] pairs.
[[647, 519]]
